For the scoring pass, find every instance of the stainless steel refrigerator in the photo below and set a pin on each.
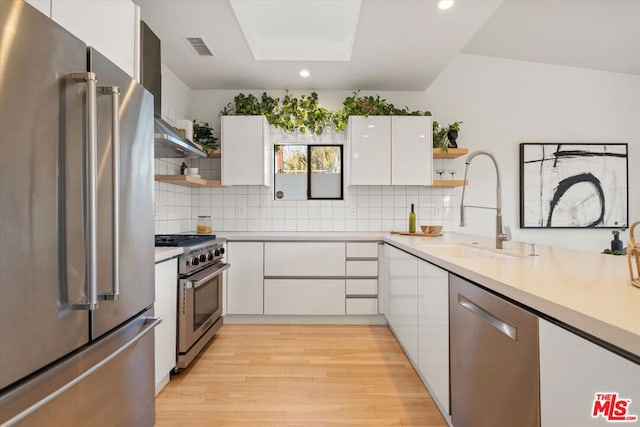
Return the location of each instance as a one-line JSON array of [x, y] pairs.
[[76, 231]]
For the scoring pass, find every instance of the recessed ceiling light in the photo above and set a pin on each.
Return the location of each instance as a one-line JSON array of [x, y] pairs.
[[304, 73], [445, 4]]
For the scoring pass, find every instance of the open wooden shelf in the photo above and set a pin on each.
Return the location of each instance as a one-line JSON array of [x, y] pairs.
[[449, 183], [188, 181], [452, 153]]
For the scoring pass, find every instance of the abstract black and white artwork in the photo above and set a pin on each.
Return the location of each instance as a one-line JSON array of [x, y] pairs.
[[569, 185]]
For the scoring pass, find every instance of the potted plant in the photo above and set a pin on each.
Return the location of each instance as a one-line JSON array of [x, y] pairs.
[[204, 136], [445, 137], [356, 105]]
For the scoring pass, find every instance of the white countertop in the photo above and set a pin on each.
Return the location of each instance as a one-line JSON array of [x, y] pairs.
[[165, 253], [586, 290], [300, 235]]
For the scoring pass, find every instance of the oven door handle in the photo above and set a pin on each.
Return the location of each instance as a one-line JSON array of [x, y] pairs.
[[189, 284]]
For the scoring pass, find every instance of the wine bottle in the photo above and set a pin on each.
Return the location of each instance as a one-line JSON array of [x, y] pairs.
[[412, 220]]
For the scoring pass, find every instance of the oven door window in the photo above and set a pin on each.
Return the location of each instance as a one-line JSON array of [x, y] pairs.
[[205, 301]]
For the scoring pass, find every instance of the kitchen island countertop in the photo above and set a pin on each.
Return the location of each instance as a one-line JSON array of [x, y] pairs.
[[588, 291]]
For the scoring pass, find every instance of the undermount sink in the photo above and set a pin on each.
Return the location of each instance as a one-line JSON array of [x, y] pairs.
[[464, 250]]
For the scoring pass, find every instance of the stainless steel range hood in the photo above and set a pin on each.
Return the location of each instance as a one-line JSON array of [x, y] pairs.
[[168, 143]]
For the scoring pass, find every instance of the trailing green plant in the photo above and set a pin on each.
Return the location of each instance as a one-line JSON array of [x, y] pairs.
[[356, 105], [440, 138], [203, 135], [304, 114]]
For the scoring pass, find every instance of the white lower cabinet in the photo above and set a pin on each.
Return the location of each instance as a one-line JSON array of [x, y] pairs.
[[304, 296], [362, 287], [433, 330], [245, 278], [573, 371], [300, 259], [362, 268], [402, 311], [362, 306], [166, 276], [415, 298]]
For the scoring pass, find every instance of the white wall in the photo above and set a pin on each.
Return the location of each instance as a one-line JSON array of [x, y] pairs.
[[505, 102]]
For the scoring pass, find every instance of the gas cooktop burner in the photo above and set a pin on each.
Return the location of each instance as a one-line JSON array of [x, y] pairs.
[[183, 239]]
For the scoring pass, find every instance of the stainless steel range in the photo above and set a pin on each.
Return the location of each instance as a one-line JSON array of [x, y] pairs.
[[200, 285]]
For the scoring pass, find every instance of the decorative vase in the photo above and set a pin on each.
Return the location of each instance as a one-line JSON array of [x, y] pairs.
[[452, 135], [616, 243]]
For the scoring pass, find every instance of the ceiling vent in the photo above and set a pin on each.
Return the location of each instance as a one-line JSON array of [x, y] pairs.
[[199, 46]]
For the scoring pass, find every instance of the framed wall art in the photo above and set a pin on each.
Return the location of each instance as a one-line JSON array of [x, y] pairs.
[[574, 185]]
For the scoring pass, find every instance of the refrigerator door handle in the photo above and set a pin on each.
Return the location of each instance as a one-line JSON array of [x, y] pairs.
[[114, 91], [151, 322], [91, 280]]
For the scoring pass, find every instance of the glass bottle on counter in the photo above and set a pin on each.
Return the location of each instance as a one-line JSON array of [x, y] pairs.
[[412, 220], [204, 224]]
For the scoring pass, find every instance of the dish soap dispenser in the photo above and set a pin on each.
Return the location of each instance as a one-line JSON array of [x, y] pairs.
[[412, 220]]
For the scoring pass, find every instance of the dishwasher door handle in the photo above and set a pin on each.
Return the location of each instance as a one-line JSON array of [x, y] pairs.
[[500, 325]]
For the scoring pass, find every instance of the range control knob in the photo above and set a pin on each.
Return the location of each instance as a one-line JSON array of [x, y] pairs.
[[203, 258], [209, 256], [195, 260], [221, 251], [217, 253]]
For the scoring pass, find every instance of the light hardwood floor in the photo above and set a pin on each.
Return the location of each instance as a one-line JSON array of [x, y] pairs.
[[299, 375]]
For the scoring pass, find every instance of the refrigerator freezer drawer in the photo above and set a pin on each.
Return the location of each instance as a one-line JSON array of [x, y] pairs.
[[110, 382]]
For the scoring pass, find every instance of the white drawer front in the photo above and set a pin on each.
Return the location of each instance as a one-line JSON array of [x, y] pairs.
[[306, 296], [362, 287], [304, 259], [362, 268], [362, 305], [362, 250]]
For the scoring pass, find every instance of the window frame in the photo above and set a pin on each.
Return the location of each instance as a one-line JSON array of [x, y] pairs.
[[309, 148]]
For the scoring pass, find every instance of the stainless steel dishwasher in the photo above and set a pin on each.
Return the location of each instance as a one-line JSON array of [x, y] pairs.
[[494, 360]]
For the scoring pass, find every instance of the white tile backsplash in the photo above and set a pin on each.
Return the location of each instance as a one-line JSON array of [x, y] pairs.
[[252, 208], [174, 204]]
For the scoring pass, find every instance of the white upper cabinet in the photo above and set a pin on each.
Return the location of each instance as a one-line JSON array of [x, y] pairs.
[[110, 26], [247, 157], [390, 150], [370, 150], [411, 150]]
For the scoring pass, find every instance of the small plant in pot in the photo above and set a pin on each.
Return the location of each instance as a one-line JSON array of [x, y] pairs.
[[445, 137], [204, 136]]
